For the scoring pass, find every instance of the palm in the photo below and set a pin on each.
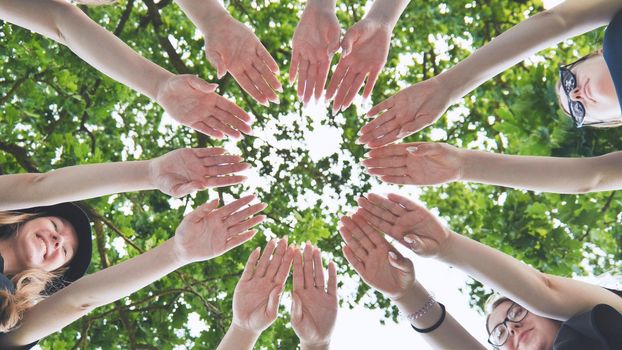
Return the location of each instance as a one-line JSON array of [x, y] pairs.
[[317, 34], [372, 49], [426, 226], [176, 169], [318, 315], [250, 304], [381, 275], [213, 236], [432, 169]]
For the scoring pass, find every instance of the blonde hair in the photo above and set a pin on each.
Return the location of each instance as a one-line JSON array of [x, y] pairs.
[[29, 284]]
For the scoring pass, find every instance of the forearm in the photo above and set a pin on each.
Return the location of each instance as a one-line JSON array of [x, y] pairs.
[[544, 174], [304, 346], [387, 11], [68, 25], [92, 291], [73, 183], [202, 12], [571, 18], [327, 4], [237, 338], [449, 335]]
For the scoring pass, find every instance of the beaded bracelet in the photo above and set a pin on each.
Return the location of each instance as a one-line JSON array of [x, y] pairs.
[[422, 311], [434, 326]]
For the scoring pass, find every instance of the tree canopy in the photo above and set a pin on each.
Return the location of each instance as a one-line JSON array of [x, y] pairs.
[[56, 111]]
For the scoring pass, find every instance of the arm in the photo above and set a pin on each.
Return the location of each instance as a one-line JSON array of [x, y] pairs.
[[385, 269], [549, 296], [257, 294], [176, 173], [205, 233], [186, 98], [232, 47], [428, 163], [314, 302], [365, 49], [422, 104]]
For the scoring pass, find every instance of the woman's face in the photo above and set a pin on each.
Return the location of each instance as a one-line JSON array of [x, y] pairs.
[[532, 333], [47, 243], [595, 90]]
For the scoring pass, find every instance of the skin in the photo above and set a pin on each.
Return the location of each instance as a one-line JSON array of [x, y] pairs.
[[532, 333], [47, 243], [595, 90]]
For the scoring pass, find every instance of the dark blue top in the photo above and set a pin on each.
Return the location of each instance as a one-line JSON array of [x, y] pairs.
[[612, 50]]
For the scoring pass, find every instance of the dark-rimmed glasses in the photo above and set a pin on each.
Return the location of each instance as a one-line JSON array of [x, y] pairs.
[[500, 333]]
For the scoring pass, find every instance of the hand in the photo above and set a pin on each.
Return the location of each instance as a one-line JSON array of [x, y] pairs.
[[257, 294], [314, 308], [406, 112], [184, 171], [379, 264], [365, 49], [416, 163], [192, 102], [409, 223], [208, 232], [316, 40], [231, 47]]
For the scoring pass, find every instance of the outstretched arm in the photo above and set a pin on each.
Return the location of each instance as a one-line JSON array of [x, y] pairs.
[[385, 269], [203, 234], [176, 173], [186, 98], [429, 163], [549, 296], [420, 105]]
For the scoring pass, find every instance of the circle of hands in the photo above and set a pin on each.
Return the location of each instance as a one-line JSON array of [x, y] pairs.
[[210, 231]]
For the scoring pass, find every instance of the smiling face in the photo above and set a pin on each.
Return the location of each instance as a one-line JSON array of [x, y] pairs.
[[532, 333], [594, 89], [47, 243]]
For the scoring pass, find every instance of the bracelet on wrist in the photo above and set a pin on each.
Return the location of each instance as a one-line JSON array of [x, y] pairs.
[[434, 326], [427, 306]]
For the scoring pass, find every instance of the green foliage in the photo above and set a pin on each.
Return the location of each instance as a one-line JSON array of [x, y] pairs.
[[57, 111]]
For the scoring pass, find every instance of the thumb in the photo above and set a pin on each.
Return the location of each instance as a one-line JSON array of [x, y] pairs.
[[296, 310], [218, 62], [422, 149], [201, 85], [418, 245], [349, 39], [400, 262], [273, 301]]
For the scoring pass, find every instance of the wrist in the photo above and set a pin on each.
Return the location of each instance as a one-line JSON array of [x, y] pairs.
[[213, 20], [176, 256], [243, 332], [325, 5], [412, 299], [469, 164], [387, 12], [314, 345]]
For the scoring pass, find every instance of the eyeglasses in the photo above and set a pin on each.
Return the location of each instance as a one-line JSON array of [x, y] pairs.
[[500, 333], [569, 82]]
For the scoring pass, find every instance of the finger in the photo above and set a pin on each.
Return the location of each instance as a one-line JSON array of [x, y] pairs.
[[386, 117], [378, 223], [205, 129], [224, 128], [354, 244], [359, 233], [226, 169], [371, 81], [346, 85], [185, 188], [236, 240], [356, 263], [381, 130], [208, 152], [293, 68], [235, 205], [247, 274], [351, 36], [264, 261], [260, 83], [381, 201], [277, 257], [335, 80], [231, 120], [267, 59], [384, 105], [307, 268], [397, 180], [403, 201], [247, 85], [201, 85], [399, 262], [268, 76], [354, 89], [318, 269], [377, 210], [391, 150], [233, 109], [220, 160], [285, 266], [332, 279], [311, 81], [322, 75], [245, 213], [245, 225], [388, 171], [200, 212], [386, 162], [222, 181], [299, 283], [388, 138], [303, 72]]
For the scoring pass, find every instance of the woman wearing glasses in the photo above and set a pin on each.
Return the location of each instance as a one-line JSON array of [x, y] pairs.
[[540, 311], [588, 92]]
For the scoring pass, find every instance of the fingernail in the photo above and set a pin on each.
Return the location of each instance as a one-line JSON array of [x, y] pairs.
[[412, 149], [358, 141], [280, 88], [367, 155], [409, 239], [392, 255]]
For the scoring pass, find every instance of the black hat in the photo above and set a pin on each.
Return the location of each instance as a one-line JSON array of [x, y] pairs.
[[81, 223], [612, 51]]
